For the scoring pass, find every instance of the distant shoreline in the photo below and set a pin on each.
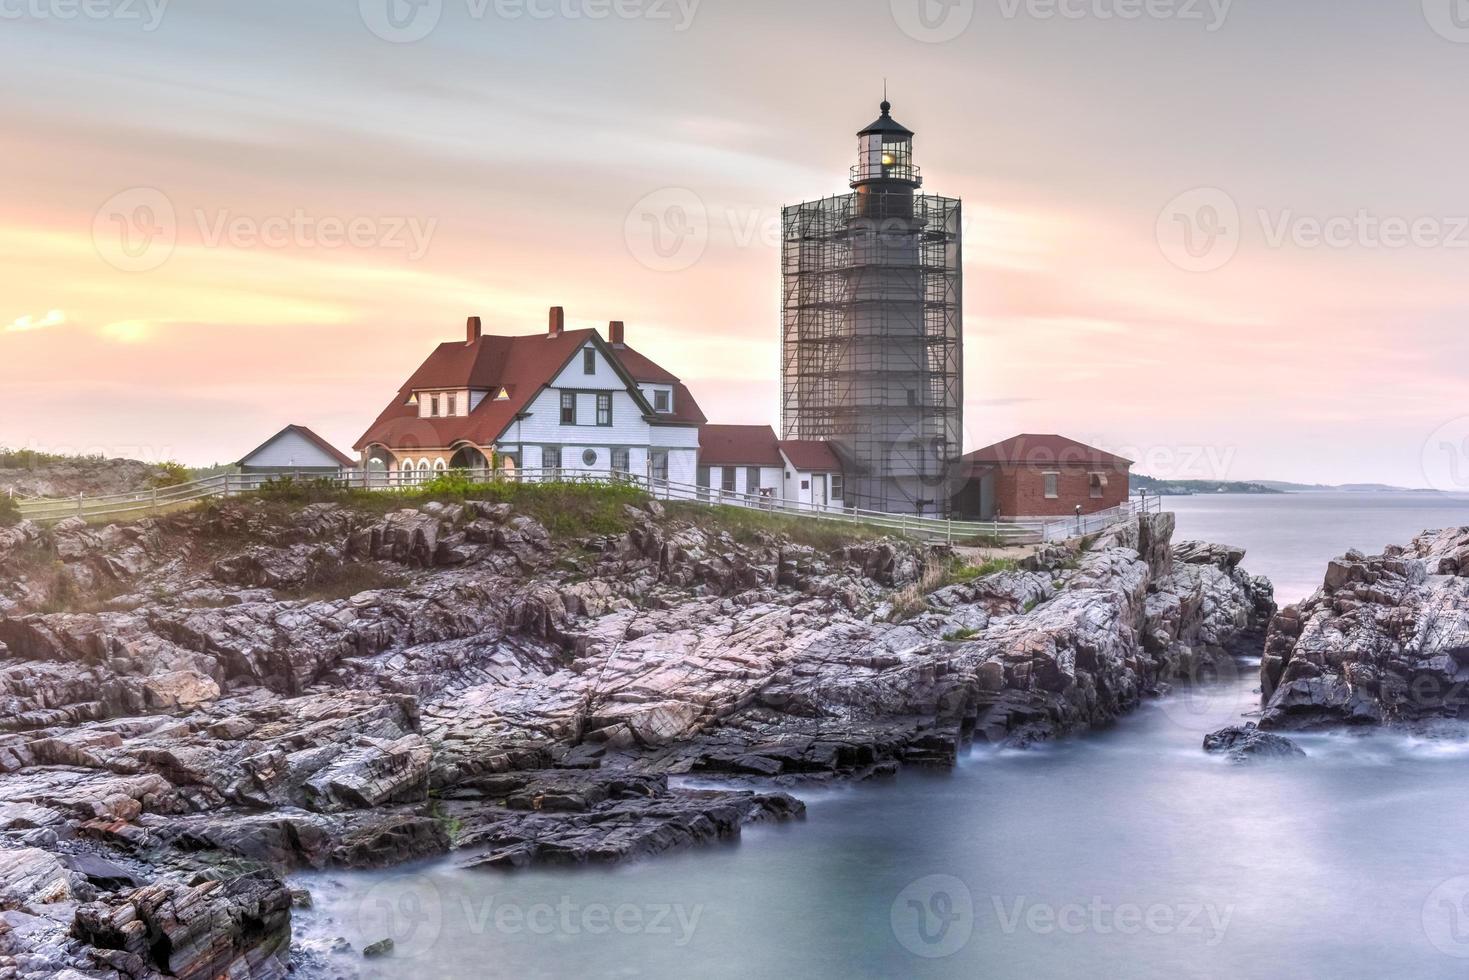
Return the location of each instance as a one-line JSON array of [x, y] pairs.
[[1200, 488]]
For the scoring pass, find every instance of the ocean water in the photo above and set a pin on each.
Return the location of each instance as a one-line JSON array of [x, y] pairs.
[[1289, 538], [1125, 853]]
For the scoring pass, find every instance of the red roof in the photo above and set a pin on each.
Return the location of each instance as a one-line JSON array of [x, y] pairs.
[[739, 445], [685, 409], [641, 368], [811, 456], [520, 366], [342, 458], [1044, 450]]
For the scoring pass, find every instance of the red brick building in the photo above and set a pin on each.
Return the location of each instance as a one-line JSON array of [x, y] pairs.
[[1041, 476]]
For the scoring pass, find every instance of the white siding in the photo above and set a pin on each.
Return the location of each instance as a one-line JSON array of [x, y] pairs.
[[811, 491], [573, 376], [290, 448], [771, 478], [650, 392], [629, 429]]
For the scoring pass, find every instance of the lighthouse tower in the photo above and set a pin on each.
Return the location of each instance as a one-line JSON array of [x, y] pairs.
[[872, 328]]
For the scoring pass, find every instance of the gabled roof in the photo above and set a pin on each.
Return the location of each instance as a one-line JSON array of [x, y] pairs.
[[811, 456], [523, 365], [641, 368], [341, 458], [1044, 450], [520, 367], [739, 445], [644, 371]]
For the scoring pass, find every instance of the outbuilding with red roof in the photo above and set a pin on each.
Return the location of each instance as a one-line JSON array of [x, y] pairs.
[[1041, 476], [750, 460]]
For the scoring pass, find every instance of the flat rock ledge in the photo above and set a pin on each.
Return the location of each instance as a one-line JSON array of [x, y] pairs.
[[197, 706]]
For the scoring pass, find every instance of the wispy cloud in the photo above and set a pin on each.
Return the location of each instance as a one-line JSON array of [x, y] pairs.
[[52, 318]]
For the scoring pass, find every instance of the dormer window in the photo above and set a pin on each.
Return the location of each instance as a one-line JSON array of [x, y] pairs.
[[433, 406], [451, 407], [662, 401]]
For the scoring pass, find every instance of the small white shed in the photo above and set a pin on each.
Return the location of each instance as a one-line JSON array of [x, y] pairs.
[[295, 449]]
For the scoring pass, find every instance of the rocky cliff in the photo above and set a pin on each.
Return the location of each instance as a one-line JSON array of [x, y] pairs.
[[1385, 640], [31, 474], [196, 705]]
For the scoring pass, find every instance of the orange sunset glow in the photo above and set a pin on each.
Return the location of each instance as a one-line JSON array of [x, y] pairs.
[[224, 224]]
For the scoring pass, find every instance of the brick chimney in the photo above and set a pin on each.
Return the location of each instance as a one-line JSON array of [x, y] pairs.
[[472, 330], [558, 321], [616, 333]]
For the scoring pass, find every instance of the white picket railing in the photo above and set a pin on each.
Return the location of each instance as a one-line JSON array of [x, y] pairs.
[[932, 528]]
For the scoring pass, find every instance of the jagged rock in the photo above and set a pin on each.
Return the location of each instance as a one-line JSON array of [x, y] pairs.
[[1249, 743], [238, 927], [30, 876], [380, 948], [1202, 553], [521, 697], [1384, 641]]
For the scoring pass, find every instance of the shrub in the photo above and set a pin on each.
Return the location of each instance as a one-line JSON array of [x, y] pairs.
[[9, 511], [171, 475], [290, 490]]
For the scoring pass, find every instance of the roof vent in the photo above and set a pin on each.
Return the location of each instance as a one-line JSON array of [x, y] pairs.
[[558, 321], [472, 330]]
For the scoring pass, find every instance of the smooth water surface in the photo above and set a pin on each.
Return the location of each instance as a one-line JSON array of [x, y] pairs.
[[1127, 853], [1290, 537]]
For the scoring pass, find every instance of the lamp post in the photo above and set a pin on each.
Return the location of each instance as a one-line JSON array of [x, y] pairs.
[[1078, 518]]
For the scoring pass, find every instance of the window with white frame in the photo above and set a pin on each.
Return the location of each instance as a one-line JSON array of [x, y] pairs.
[[658, 464], [838, 487], [551, 458], [620, 462], [1053, 486], [727, 479], [662, 401], [752, 479]]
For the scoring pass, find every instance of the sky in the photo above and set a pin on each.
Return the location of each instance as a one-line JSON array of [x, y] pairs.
[[1228, 239]]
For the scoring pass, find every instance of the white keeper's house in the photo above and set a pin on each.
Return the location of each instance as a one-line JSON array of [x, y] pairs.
[[565, 401]]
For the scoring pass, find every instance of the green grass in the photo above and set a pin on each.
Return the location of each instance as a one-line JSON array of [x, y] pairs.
[[746, 525], [960, 635], [564, 509], [994, 566]]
